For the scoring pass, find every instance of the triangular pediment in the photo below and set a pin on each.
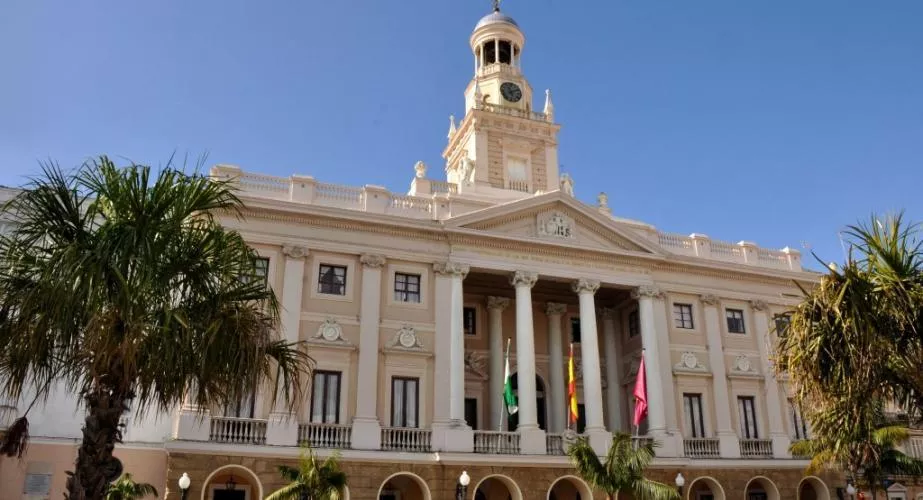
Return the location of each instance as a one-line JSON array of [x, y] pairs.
[[554, 218]]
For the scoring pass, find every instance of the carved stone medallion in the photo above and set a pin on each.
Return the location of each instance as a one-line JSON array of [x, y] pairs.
[[406, 338], [556, 225], [330, 331], [742, 364]]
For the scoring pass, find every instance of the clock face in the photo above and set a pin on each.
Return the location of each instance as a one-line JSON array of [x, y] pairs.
[[511, 92]]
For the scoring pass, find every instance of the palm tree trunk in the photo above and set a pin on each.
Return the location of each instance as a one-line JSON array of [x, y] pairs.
[[96, 467]]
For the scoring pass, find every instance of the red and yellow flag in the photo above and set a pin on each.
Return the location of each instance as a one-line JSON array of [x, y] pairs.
[[571, 389]]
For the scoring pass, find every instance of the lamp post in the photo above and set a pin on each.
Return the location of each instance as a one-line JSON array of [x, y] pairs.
[[680, 482], [184, 483], [461, 488]]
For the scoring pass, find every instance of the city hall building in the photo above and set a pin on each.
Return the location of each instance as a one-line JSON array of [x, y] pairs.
[[407, 302]]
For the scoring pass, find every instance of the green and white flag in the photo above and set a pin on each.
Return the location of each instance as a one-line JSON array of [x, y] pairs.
[[508, 397]]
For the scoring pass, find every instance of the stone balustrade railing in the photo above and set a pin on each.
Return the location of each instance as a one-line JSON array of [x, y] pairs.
[[496, 442], [424, 205], [756, 448], [701, 448], [511, 111], [498, 68], [554, 443], [237, 430], [406, 439], [317, 435]]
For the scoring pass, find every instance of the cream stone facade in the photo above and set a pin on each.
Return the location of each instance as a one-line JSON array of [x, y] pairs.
[[408, 302]]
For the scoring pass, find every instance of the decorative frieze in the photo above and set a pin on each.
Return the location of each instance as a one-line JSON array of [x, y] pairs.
[[524, 278], [584, 285], [372, 261], [476, 363], [294, 251], [689, 362], [451, 269]]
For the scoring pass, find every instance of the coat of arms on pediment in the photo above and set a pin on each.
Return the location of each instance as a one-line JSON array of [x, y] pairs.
[[556, 224]]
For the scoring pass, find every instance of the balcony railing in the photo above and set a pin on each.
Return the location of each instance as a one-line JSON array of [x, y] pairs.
[[406, 439], [325, 435], [497, 442], [554, 444], [237, 430], [756, 448], [701, 448], [915, 447]]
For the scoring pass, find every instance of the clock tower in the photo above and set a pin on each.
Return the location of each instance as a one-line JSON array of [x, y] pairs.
[[503, 148]]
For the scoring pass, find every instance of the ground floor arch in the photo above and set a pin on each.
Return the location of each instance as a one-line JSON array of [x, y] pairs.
[[812, 488], [705, 488], [497, 487], [761, 488], [404, 486], [569, 488], [232, 482]]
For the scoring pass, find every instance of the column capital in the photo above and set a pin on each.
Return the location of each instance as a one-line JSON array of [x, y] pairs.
[[708, 299], [523, 278], [759, 305], [372, 261], [584, 285], [555, 309], [647, 292], [294, 251], [451, 269], [500, 303], [607, 312]]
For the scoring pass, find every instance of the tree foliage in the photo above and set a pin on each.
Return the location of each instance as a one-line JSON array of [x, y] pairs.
[[125, 488], [622, 470], [123, 286], [312, 479], [854, 346]]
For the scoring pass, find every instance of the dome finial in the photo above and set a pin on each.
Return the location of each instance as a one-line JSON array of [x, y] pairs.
[[496, 5]]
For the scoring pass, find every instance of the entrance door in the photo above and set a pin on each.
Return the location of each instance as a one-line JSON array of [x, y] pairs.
[[229, 495]]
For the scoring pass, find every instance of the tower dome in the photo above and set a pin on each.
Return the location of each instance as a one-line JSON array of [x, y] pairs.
[[495, 17]]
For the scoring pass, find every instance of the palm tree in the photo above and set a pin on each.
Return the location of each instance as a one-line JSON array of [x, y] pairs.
[[125, 488], [888, 460], [311, 480], [854, 345], [124, 287], [623, 469]]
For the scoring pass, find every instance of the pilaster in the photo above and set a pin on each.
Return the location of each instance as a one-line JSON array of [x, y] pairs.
[[366, 432], [613, 387], [775, 410], [728, 442]]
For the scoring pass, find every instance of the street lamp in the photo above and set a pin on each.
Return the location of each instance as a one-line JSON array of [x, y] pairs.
[[461, 489], [231, 485], [184, 483], [680, 482]]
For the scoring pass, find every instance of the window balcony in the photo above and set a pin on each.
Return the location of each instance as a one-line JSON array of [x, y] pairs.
[[316, 435], [701, 448], [406, 439], [496, 442], [237, 430], [756, 448]]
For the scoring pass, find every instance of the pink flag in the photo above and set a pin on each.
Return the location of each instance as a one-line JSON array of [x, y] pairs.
[[640, 395]]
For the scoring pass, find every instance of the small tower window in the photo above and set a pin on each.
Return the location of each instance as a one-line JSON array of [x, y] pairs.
[[506, 52], [490, 53]]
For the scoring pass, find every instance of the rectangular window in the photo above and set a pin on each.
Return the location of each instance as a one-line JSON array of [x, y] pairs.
[[799, 426], [682, 316], [746, 409], [405, 402], [243, 408], [692, 410], [471, 412], [407, 288], [470, 316], [581, 418], [331, 280], [735, 318], [782, 321], [325, 397], [634, 324], [575, 329], [260, 272]]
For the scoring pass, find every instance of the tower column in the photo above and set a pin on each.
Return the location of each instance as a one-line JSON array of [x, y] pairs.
[[600, 439], [558, 397], [449, 430], [531, 437]]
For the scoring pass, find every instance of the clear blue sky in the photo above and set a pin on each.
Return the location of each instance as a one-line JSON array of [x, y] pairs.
[[775, 121]]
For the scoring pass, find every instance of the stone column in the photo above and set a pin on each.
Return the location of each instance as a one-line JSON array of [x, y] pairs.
[[610, 346], [600, 439], [775, 409], [728, 443], [366, 426], [532, 438], [557, 399], [450, 433], [659, 390], [282, 428], [495, 308]]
